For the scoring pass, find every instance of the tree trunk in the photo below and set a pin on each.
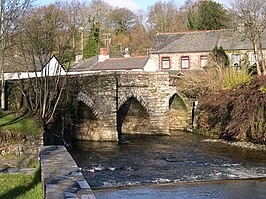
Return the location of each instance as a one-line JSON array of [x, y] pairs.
[[263, 67], [258, 57]]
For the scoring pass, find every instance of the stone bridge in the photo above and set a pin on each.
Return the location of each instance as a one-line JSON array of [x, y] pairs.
[[114, 103]]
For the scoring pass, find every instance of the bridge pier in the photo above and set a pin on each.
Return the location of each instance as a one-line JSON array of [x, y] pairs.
[[98, 116]]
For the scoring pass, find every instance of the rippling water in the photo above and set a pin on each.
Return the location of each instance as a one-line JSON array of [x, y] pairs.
[[185, 157]]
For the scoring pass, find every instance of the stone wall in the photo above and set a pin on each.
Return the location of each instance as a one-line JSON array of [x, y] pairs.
[[25, 152], [61, 176], [178, 119]]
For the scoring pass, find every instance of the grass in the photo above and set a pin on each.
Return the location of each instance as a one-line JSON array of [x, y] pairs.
[[23, 124], [21, 161], [21, 186]]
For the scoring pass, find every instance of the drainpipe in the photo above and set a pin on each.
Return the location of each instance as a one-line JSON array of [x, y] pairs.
[[118, 125], [194, 107]]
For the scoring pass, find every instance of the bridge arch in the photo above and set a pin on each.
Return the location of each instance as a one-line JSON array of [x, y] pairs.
[[87, 118], [124, 96], [177, 101], [174, 92], [83, 97], [132, 118], [179, 112]]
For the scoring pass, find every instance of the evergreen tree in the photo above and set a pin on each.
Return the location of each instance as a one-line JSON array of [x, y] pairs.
[[93, 42], [207, 15], [219, 57]]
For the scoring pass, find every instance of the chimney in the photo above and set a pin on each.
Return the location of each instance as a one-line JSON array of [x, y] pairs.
[[103, 55], [126, 53]]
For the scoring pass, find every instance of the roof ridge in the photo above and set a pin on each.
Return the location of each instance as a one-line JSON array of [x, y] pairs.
[[190, 32], [119, 58]]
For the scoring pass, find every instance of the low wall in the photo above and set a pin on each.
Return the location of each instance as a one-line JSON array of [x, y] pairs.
[[61, 176]]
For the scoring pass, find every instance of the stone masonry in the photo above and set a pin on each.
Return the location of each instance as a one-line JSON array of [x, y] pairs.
[[105, 94]]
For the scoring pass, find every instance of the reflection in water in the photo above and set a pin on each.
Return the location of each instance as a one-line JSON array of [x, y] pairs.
[[155, 159]]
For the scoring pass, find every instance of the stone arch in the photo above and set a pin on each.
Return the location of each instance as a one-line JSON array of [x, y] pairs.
[[179, 111], [83, 97], [132, 118], [185, 100], [87, 118], [179, 100], [123, 97]]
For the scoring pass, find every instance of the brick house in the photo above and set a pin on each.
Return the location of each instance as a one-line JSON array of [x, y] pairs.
[[189, 50]]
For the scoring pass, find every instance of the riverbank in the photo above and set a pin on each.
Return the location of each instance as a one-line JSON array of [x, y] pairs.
[[235, 114], [243, 145], [20, 140]]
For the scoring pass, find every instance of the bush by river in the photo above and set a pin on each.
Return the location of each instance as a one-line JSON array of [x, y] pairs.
[[237, 114]]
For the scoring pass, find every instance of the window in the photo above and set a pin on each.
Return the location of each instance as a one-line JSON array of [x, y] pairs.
[[235, 60], [185, 62], [203, 61], [165, 62], [253, 59]]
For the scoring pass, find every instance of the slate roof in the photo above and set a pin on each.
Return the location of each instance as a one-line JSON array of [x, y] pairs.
[[18, 63], [92, 64], [201, 41], [87, 64]]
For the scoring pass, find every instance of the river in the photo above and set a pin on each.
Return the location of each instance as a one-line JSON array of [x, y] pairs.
[[187, 161]]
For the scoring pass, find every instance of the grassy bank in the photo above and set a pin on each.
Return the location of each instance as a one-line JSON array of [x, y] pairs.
[[19, 123], [16, 127], [20, 137], [21, 186]]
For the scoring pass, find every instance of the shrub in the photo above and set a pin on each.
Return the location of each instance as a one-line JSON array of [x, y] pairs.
[[236, 114], [233, 77]]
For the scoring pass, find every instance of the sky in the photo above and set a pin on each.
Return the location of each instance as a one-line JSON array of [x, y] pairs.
[[133, 4]]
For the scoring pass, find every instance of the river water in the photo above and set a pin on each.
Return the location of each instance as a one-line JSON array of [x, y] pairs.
[[181, 159]]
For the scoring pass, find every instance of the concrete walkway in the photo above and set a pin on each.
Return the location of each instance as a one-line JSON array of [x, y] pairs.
[[61, 176]]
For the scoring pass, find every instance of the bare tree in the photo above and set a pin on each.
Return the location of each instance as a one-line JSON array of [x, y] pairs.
[[99, 10], [10, 15], [77, 17], [251, 14], [122, 20], [165, 17], [44, 33], [139, 40]]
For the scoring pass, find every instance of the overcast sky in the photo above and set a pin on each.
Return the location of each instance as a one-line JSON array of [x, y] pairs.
[[133, 4]]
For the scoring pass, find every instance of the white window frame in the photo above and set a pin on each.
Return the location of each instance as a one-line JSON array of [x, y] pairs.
[[235, 60], [203, 61], [185, 62], [166, 64]]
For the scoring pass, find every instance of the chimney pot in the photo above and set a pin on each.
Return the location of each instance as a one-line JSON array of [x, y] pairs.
[[103, 51], [103, 55]]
